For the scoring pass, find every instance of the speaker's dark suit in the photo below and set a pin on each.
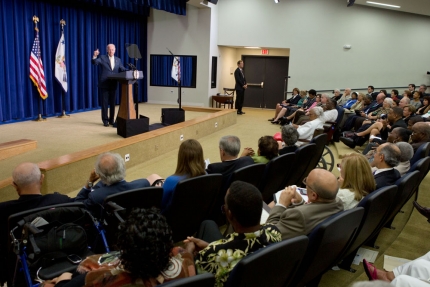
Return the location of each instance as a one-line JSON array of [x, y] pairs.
[[107, 87], [240, 90], [93, 200], [386, 178]]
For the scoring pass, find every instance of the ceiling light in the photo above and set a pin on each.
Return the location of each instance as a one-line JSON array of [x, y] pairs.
[[276, 1], [382, 4], [252, 47]]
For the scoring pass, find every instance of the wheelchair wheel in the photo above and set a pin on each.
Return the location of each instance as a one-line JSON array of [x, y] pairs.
[[327, 159]]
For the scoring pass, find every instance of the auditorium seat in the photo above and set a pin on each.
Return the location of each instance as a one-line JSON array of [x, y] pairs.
[[303, 156]]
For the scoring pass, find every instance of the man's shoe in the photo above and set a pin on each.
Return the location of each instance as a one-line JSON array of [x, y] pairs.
[[106, 124], [347, 141], [425, 211], [239, 113]]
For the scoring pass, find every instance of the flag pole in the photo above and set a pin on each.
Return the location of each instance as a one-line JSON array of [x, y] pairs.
[[39, 105], [63, 94]]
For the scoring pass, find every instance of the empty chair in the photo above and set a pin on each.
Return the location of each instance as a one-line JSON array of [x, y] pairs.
[[422, 166], [304, 155], [327, 243], [276, 174], [142, 197], [376, 207], [202, 280], [320, 142], [251, 174], [274, 265], [192, 202], [421, 152]]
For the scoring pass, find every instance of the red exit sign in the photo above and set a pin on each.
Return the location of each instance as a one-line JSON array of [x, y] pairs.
[[264, 51]]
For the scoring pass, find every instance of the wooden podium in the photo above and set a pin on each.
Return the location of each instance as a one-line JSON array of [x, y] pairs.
[[127, 122]]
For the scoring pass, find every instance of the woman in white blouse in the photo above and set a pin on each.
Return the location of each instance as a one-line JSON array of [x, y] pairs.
[[355, 181]]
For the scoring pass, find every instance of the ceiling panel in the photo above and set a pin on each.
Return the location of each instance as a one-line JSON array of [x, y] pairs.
[[421, 7]]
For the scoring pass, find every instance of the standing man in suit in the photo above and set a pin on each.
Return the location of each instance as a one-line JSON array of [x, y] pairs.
[[240, 87], [109, 65], [294, 217]]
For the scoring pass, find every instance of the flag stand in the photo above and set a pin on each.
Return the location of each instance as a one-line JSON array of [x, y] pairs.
[[64, 76], [39, 117]]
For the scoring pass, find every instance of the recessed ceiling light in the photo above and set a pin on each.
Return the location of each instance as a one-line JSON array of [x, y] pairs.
[[276, 1], [252, 48], [383, 4]]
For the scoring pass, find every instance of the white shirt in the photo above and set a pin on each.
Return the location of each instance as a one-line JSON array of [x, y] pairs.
[[307, 130], [347, 197], [381, 170], [330, 115], [112, 62]]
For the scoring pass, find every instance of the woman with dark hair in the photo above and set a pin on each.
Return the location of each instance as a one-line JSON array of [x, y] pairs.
[[416, 100], [268, 149], [190, 164], [146, 257], [426, 106]]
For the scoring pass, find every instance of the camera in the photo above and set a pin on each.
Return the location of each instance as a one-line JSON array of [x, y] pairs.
[[383, 116], [428, 72]]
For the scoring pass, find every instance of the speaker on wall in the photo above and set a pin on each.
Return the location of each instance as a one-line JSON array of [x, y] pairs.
[[213, 1]]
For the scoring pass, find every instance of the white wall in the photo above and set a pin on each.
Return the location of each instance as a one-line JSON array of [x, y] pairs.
[[183, 35], [389, 49]]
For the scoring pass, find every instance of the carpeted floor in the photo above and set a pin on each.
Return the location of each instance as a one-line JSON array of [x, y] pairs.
[[57, 137]]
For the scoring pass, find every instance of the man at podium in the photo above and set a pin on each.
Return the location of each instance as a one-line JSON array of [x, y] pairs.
[[109, 65]]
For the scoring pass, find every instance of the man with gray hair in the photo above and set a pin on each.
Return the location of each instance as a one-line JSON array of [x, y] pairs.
[[406, 153], [110, 169], [345, 97], [385, 158], [27, 181], [423, 89], [289, 138], [404, 102], [229, 148], [306, 131]]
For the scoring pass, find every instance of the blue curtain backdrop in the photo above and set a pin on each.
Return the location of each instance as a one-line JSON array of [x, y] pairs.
[[86, 29], [161, 71]]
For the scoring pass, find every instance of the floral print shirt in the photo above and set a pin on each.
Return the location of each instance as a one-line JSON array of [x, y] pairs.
[[221, 256]]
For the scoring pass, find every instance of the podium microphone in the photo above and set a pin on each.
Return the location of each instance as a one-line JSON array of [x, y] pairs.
[[133, 67]]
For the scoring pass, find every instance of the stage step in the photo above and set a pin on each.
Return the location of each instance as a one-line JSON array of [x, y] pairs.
[[13, 148]]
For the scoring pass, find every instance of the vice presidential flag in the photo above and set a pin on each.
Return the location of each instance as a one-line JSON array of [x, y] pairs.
[[37, 73], [176, 69], [60, 63]]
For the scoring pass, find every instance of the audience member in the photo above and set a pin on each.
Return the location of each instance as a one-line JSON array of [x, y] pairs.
[[415, 273], [408, 112], [307, 105], [364, 114], [407, 94], [423, 89], [345, 97], [147, 256], [301, 115], [411, 88], [358, 105], [404, 102], [295, 98], [294, 217], [371, 92], [413, 120], [355, 180], [425, 108], [406, 153], [330, 111], [229, 148], [306, 131], [243, 207], [190, 164], [27, 181], [288, 109], [268, 149], [385, 159], [416, 100], [289, 138], [110, 168], [351, 101], [395, 95], [420, 134], [336, 94]]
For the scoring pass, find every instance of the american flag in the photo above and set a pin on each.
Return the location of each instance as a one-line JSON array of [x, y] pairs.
[[37, 73]]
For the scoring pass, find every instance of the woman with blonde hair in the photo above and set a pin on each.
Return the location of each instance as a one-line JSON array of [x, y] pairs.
[[356, 180], [190, 164]]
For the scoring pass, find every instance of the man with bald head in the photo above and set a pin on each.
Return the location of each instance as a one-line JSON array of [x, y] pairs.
[[420, 134], [385, 158], [27, 181], [294, 217], [109, 65], [110, 169]]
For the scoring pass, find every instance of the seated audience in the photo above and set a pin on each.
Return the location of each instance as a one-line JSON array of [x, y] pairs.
[[408, 112], [350, 123], [395, 95], [425, 108], [229, 148], [385, 159], [110, 168], [147, 257], [355, 180], [413, 120], [404, 102], [190, 164], [243, 207], [307, 104], [423, 89], [345, 97], [420, 134], [301, 115], [406, 153], [407, 94], [416, 100], [411, 88], [294, 217], [358, 105], [306, 131], [336, 95], [27, 181], [363, 101], [414, 273], [295, 98], [289, 138], [351, 101], [268, 149], [330, 111]]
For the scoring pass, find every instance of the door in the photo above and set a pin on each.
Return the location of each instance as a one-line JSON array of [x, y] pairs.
[[272, 72]]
